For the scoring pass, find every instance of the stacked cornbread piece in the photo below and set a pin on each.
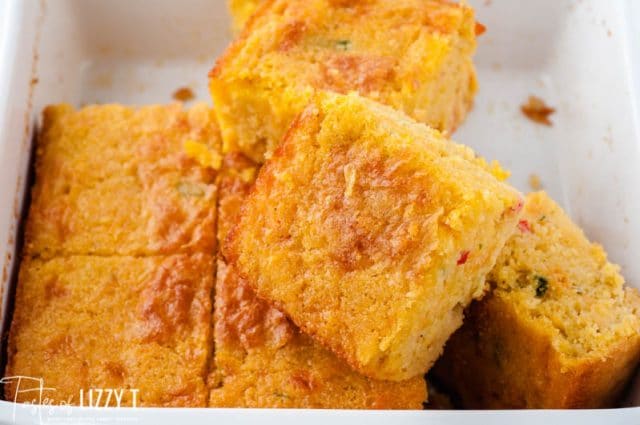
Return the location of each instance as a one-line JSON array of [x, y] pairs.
[[115, 283], [414, 55], [262, 359], [378, 232], [313, 241], [558, 330]]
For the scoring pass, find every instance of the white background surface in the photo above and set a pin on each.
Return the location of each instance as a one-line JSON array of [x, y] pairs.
[[580, 56]]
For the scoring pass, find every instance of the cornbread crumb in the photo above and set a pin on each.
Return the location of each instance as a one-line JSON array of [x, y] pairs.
[[534, 182], [112, 322], [261, 359], [113, 180], [537, 111], [414, 55], [183, 94], [203, 154], [558, 330], [372, 267]]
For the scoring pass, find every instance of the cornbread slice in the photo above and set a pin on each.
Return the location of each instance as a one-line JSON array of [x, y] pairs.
[[261, 359], [241, 11], [414, 55], [559, 329], [113, 180], [372, 232], [120, 323]]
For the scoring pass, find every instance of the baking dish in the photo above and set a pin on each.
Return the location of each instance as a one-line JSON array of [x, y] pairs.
[[581, 57]]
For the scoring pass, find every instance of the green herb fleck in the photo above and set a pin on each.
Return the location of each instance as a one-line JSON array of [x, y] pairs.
[[189, 189], [542, 286], [542, 218], [479, 246], [343, 45]]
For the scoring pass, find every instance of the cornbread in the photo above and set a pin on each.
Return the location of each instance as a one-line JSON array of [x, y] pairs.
[[113, 180], [372, 232], [261, 359], [241, 11], [123, 323], [414, 55], [558, 330]]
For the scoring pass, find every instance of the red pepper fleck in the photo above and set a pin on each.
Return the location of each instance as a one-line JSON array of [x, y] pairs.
[[464, 255], [480, 29], [524, 226], [518, 207]]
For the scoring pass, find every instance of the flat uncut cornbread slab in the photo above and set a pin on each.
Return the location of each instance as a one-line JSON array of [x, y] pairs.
[[558, 330], [414, 55], [261, 359], [373, 232], [112, 323], [113, 180], [114, 290]]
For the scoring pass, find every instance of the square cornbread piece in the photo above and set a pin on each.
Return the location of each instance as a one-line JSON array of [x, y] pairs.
[[114, 180], [137, 325], [414, 55], [241, 11], [558, 330], [372, 232], [261, 359]]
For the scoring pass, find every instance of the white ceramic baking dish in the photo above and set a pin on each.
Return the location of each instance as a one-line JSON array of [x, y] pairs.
[[581, 57]]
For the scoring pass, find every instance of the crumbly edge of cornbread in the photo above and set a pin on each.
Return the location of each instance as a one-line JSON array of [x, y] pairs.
[[555, 308], [253, 119], [397, 360], [527, 274], [261, 359]]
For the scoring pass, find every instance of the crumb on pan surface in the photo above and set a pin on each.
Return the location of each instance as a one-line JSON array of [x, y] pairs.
[[534, 182], [261, 359], [373, 232], [84, 322], [559, 328], [537, 111], [114, 180], [183, 94], [414, 55]]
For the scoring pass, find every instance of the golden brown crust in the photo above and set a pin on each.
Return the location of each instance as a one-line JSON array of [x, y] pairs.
[[568, 338], [95, 306], [241, 319], [262, 359], [113, 322], [357, 200], [114, 180]]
